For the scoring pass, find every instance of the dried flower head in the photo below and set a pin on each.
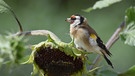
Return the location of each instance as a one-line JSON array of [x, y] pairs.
[[54, 62], [57, 59]]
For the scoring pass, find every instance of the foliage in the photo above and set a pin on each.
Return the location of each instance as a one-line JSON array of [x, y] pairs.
[[129, 72], [11, 49], [128, 35], [101, 4], [3, 6]]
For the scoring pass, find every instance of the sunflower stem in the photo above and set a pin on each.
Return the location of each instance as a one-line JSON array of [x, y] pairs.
[[39, 33]]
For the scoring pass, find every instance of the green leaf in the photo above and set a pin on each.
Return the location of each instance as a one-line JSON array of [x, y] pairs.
[[128, 35], [130, 15], [101, 4], [11, 49], [130, 72], [3, 6]]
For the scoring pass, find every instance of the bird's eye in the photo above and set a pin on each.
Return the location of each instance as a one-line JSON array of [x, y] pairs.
[[73, 18]]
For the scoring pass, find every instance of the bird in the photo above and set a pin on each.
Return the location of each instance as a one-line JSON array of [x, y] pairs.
[[86, 38]]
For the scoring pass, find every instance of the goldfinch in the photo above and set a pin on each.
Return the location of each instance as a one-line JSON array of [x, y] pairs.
[[86, 38]]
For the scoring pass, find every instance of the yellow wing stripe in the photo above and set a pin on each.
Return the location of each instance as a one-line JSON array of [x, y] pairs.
[[93, 36]]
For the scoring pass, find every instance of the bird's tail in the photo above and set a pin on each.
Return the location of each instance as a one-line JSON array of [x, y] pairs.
[[108, 61]]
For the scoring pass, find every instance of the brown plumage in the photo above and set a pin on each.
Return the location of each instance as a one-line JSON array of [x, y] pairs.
[[86, 38]]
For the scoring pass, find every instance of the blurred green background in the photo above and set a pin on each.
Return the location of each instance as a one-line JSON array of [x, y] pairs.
[[51, 15]]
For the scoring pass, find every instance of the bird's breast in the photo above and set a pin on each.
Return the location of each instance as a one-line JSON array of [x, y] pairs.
[[80, 36], [77, 32]]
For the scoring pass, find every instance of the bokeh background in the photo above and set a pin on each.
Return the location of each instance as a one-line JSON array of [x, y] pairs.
[[51, 15]]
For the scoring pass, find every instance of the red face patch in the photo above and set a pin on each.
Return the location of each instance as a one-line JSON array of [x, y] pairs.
[[73, 17]]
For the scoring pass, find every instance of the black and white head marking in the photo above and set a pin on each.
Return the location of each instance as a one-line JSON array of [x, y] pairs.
[[76, 20]]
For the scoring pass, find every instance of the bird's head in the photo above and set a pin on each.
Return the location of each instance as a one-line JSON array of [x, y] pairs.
[[76, 19]]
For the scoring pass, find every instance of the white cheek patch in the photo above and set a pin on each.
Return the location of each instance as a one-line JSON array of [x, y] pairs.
[[75, 23]]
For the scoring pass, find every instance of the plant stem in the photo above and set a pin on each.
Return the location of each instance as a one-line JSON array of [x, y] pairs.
[[17, 20], [39, 32], [110, 42], [14, 15]]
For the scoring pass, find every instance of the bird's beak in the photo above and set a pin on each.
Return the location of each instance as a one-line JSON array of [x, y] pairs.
[[69, 20]]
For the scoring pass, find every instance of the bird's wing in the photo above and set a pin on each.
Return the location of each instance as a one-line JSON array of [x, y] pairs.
[[100, 44], [95, 39]]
